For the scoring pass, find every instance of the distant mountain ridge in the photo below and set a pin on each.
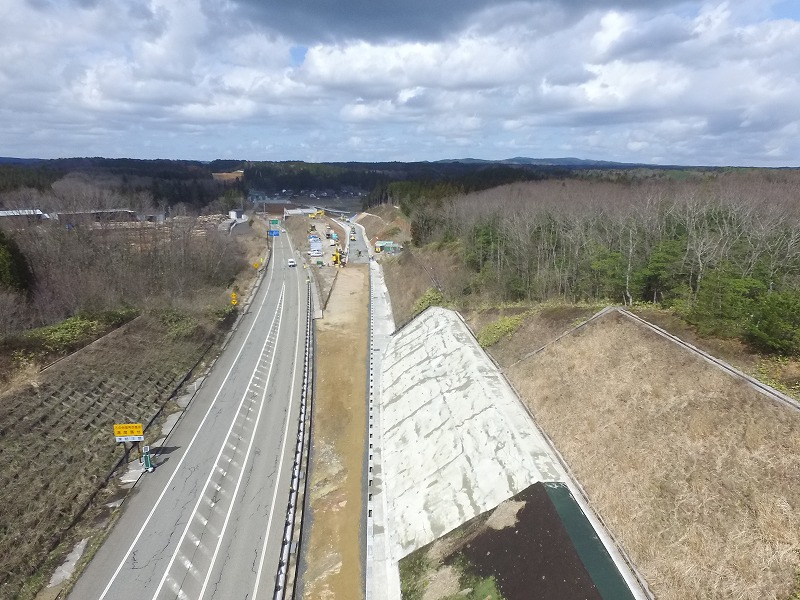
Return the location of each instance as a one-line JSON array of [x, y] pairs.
[[10, 160], [568, 161]]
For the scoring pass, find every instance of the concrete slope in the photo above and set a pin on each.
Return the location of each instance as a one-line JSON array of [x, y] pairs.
[[456, 440]]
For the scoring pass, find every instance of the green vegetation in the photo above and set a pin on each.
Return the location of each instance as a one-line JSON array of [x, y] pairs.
[[47, 343], [223, 314], [15, 272], [480, 589], [413, 576], [796, 593], [775, 323], [47, 480], [36, 176], [499, 329], [178, 323], [432, 297]]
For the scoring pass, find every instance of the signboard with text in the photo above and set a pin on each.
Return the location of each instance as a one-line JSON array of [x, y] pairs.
[[274, 233], [273, 221], [128, 432]]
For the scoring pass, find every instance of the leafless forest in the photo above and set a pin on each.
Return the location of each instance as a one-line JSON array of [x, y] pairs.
[[722, 248], [107, 264]]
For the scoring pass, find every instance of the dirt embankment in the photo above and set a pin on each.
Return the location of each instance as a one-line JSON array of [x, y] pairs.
[[696, 474], [332, 565]]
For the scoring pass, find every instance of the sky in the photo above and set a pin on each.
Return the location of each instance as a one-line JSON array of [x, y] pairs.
[[649, 81]]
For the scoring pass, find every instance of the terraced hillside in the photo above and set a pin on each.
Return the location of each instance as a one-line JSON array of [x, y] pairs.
[[56, 437]]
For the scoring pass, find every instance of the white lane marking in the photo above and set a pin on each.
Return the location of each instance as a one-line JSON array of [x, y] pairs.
[[241, 474], [192, 515], [283, 449], [191, 442]]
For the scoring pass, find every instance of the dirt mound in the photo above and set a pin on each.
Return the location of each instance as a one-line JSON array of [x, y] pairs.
[[506, 553], [696, 474]]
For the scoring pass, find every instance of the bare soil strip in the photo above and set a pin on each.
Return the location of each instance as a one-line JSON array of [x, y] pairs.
[[332, 565]]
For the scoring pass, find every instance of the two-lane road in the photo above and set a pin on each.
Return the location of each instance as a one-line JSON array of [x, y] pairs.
[[208, 522]]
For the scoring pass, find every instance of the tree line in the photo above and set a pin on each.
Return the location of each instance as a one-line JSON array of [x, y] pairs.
[[722, 249], [48, 273]]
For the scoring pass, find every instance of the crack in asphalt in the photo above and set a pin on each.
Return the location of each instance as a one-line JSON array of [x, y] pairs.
[[253, 567]]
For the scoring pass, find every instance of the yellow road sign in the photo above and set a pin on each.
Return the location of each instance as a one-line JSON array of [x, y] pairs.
[[129, 432], [234, 302]]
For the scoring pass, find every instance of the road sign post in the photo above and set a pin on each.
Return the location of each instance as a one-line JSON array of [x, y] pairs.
[[128, 432], [274, 232]]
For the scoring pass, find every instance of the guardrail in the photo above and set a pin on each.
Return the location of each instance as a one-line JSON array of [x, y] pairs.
[[283, 580]]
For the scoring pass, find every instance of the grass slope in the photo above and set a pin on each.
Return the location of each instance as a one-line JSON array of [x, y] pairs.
[[696, 474], [56, 437]]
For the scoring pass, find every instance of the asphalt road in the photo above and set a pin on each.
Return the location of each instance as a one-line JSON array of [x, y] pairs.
[[207, 523], [359, 244]]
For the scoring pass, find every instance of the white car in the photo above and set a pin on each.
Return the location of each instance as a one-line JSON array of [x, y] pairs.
[[315, 253], [292, 262]]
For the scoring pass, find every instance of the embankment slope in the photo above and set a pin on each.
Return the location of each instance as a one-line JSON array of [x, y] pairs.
[[696, 474]]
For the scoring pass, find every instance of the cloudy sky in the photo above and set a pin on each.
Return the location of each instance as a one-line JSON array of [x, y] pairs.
[[661, 81]]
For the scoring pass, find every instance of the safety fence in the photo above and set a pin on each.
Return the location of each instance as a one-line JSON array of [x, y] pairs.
[[286, 577]]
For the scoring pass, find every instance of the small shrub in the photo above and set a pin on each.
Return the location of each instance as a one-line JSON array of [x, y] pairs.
[[432, 297], [775, 324], [67, 335], [496, 331], [223, 314], [178, 324], [117, 318]]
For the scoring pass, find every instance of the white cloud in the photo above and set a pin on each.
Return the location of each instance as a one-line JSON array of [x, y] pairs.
[[712, 83]]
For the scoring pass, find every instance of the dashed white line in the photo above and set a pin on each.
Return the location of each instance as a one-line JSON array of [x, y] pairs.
[[189, 447]]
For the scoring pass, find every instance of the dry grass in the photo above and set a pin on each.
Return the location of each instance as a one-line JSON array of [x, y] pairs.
[[697, 475], [385, 222], [542, 325], [415, 270]]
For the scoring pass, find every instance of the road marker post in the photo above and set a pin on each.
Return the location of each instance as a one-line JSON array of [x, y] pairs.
[[147, 460]]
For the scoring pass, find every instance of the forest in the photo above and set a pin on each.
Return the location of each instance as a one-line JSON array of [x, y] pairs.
[[720, 248]]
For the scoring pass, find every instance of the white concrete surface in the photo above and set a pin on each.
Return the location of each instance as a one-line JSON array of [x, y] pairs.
[[456, 441], [382, 574], [65, 570]]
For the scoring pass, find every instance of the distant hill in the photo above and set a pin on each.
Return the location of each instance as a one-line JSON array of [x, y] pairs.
[[551, 162], [9, 160]]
